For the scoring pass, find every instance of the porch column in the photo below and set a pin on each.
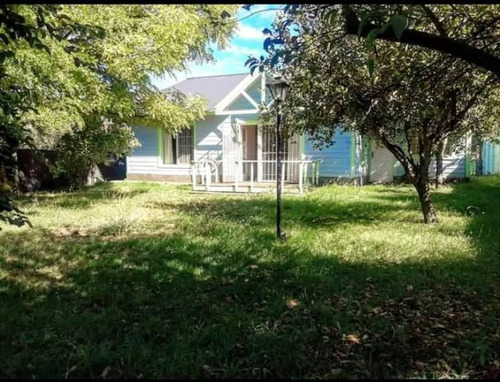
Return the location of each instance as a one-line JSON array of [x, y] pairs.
[[259, 155]]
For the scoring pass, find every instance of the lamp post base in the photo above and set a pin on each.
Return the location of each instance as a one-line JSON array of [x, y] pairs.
[[282, 237]]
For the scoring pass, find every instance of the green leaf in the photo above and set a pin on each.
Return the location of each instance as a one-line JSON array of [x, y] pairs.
[[398, 24], [250, 60], [371, 67], [331, 19], [370, 39], [267, 43]]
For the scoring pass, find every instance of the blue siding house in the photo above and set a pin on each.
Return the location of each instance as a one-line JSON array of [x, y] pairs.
[[229, 151], [227, 146]]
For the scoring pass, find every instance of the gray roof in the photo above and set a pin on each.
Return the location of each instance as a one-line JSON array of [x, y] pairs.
[[213, 88]]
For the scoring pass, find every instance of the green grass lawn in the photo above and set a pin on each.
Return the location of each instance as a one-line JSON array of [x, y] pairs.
[[136, 280]]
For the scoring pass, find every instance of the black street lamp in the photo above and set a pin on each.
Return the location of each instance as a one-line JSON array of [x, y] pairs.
[[278, 89]]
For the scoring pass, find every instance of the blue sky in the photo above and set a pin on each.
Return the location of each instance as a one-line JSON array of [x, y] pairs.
[[247, 40]]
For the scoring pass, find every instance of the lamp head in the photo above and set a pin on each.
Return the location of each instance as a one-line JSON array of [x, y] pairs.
[[278, 88]]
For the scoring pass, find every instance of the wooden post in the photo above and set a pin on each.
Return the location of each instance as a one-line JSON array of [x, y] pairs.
[[305, 172], [316, 173], [193, 174], [283, 177], [300, 177], [251, 176], [259, 156], [207, 176], [236, 176]]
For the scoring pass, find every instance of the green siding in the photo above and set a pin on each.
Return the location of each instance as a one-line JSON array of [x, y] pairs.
[[467, 165]]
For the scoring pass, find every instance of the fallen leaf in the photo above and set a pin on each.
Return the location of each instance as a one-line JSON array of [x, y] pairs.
[[105, 372], [292, 303], [70, 370], [354, 339], [438, 326]]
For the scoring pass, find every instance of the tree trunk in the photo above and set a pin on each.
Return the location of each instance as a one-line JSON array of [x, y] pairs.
[[423, 187], [424, 195], [479, 169], [11, 168], [439, 162]]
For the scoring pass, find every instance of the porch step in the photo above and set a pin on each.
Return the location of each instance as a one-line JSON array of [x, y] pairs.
[[288, 189]]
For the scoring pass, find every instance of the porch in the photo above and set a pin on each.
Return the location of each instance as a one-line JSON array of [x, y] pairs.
[[255, 176]]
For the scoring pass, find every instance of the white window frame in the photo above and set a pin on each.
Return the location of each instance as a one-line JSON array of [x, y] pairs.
[[162, 164]]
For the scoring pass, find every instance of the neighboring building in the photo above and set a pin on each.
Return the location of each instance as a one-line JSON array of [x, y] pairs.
[[490, 158], [385, 168], [228, 145]]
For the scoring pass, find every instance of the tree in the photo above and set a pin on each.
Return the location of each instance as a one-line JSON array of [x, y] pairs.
[[63, 68], [468, 32], [412, 101], [100, 69], [15, 31]]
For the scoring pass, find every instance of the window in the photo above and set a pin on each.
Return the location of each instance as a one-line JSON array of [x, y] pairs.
[[177, 149]]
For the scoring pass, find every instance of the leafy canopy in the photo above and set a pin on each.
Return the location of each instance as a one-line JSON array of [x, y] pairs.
[[410, 99]]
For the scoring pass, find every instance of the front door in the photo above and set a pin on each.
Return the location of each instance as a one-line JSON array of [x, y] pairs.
[[249, 147]]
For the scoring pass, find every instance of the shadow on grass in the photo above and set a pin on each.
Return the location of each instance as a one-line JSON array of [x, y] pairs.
[[182, 305], [83, 199], [261, 211], [478, 199]]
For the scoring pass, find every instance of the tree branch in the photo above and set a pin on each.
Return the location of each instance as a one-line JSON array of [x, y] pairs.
[[442, 44], [439, 26]]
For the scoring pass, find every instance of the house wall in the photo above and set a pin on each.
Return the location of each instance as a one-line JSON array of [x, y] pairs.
[[453, 167], [491, 158], [216, 138], [144, 163], [337, 159], [209, 139], [209, 143]]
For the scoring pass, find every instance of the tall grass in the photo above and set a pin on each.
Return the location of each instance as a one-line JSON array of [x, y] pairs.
[[132, 280]]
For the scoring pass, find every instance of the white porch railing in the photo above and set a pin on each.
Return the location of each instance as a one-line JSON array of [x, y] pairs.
[[294, 172], [248, 169], [205, 169]]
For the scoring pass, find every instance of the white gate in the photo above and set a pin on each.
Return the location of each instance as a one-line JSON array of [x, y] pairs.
[[291, 153]]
